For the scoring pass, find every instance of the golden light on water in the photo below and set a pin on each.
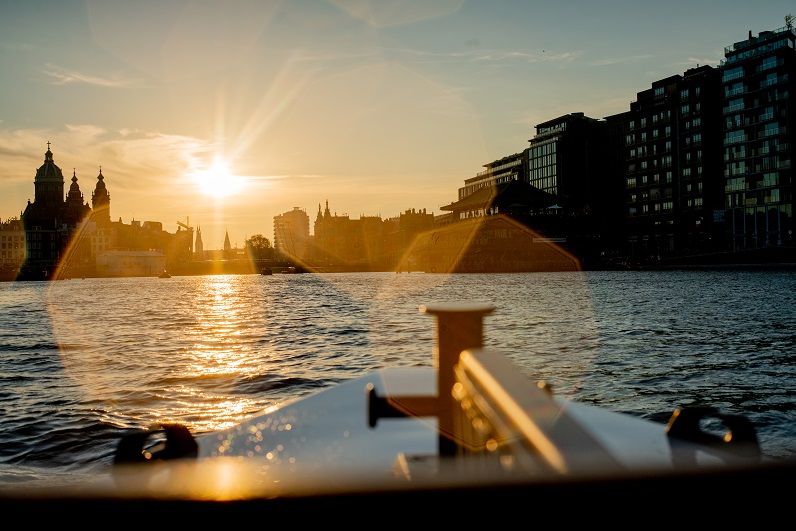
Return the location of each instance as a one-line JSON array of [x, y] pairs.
[[211, 357]]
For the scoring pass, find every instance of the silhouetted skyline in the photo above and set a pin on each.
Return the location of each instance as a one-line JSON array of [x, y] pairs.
[[377, 110]]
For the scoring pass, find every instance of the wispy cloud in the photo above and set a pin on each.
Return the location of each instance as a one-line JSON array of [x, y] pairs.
[[697, 61], [529, 57], [620, 60], [63, 76]]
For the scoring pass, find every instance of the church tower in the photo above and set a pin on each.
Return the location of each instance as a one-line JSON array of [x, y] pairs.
[[101, 202], [199, 249], [227, 246], [74, 208]]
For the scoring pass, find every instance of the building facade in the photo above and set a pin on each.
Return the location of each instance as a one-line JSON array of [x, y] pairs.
[[758, 76], [12, 244], [671, 166], [292, 234]]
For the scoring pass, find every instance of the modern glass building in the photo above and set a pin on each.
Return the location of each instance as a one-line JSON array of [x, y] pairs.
[[757, 81]]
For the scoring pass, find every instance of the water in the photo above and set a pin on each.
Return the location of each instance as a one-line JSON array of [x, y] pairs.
[[84, 360]]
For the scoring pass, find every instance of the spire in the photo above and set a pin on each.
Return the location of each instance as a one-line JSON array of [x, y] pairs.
[[75, 210], [199, 248], [101, 200], [74, 195], [227, 246]]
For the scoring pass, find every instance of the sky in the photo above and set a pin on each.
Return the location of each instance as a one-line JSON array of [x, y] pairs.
[[223, 114]]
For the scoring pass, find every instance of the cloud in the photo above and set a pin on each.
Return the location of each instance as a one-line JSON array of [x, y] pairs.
[[621, 60], [63, 76], [701, 62]]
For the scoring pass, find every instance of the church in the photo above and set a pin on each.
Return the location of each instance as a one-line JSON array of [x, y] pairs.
[[67, 237]]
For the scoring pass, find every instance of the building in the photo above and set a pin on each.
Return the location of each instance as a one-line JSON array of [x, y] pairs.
[[489, 244], [345, 243], [400, 235], [563, 186], [51, 221], [758, 77], [671, 166], [130, 264], [496, 175], [292, 234], [12, 248]]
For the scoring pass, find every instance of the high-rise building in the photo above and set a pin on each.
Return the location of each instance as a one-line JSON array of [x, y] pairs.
[[671, 166], [292, 233], [758, 78]]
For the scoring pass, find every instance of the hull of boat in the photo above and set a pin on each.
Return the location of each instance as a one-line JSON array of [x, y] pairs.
[[469, 436]]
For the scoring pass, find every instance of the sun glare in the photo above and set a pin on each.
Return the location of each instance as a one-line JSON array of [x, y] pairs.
[[218, 180]]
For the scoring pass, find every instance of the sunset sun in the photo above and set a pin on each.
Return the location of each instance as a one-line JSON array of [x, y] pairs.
[[218, 180]]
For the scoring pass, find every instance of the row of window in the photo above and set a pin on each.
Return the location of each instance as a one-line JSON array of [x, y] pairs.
[[663, 116], [645, 180], [664, 162], [664, 207], [684, 93]]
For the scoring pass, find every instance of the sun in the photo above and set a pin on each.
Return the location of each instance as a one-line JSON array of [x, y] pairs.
[[218, 180]]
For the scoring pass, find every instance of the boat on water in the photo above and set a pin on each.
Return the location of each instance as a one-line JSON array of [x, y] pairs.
[[469, 439], [266, 271], [164, 274]]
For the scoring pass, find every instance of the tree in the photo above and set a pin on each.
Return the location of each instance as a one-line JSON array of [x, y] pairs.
[[258, 247]]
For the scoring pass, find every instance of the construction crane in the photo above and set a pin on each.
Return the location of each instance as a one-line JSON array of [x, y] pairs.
[[185, 225]]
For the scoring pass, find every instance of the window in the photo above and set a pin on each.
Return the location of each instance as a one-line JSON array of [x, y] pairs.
[[685, 110], [732, 73], [767, 63], [684, 95]]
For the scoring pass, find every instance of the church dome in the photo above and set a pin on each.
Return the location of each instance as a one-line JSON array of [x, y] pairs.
[[49, 171]]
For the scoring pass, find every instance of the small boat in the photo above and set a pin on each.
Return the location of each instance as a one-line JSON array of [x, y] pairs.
[[266, 271], [164, 274]]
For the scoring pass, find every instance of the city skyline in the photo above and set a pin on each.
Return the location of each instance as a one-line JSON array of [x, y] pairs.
[[374, 107]]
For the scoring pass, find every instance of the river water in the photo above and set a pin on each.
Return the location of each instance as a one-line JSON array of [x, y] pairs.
[[83, 361]]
